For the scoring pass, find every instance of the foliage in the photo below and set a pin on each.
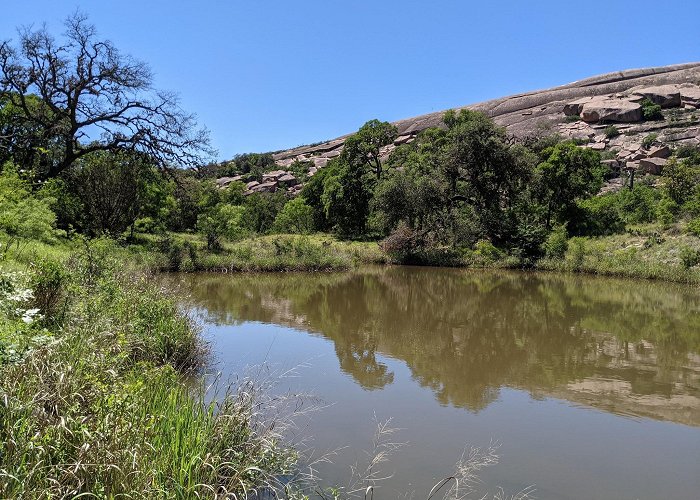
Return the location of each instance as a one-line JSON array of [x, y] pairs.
[[49, 283], [611, 131], [261, 209], [567, 175], [296, 217], [649, 140], [312, 192], [86, 87], [364, 147], [112, 191], [651, 111], [557, 243], [253, 165], [598, 216], [346, 196], [694, 226], [222, 220], [690, 257], [23, 216], [681, 180]]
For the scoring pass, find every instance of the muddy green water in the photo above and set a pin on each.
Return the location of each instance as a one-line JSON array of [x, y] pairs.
[[591, 385]]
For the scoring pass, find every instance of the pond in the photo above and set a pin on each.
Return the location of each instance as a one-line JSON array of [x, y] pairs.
[[590, 385]]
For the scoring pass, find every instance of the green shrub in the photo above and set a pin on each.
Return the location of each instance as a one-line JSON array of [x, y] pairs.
[[557, 243], [487, 251], [649, 140], [577, 253], [597, 216], [22, 215], [49, 281], [694, 226], [611, 131], [690, 257], [651, 111], [296, 217], [667, 210], [638, 205]]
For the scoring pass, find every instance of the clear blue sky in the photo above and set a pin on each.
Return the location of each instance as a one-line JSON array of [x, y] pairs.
[[266, 75]]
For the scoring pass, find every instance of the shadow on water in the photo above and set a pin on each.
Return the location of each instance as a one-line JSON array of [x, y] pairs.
[[626, 347]]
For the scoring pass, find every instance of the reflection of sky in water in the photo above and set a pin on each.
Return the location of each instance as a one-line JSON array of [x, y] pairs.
[[581, 413]]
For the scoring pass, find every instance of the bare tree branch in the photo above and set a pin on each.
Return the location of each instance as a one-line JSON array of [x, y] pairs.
[[83, 95]]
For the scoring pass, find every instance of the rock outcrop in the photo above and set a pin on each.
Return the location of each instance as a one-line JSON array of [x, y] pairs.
[[580, 110]]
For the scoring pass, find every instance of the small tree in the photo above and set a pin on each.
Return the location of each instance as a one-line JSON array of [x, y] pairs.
[[568, 174], [346, 199], [364, 147], [295, 217], [22, 216]]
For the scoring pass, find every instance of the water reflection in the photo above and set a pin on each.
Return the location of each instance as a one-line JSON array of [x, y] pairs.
[[623, 346]]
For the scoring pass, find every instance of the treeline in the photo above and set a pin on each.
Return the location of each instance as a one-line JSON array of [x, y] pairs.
[[456, 188], [462, 187]]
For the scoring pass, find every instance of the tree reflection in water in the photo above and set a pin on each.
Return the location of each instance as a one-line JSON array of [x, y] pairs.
[[625, 346]]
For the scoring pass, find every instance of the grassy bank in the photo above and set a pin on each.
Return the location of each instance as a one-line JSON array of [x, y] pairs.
[[647, 252], [98, 390], [279, 252]]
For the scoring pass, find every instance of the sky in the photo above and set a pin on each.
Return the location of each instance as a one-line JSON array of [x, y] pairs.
[[264, 75]]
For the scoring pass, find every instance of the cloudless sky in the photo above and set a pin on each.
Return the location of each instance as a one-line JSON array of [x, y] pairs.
[[265, 75]]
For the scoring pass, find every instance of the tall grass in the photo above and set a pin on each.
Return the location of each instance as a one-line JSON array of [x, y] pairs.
[[108, 408]]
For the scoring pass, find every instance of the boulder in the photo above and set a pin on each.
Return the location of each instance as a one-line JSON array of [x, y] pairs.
[[273, 176], [264, 187], [320, 162], [222, 182], [667, 96], [611, 110], [403, 139], [287, 180], [251, 184], [691, 97], [574, 108], [652, 165], [659, 152]]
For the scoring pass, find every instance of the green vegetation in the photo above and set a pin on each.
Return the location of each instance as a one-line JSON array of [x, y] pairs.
[[649, 140], [96, 366], [87, 342], [611, 131], [651, 111]]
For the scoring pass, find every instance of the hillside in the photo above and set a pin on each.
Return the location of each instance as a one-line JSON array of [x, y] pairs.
[[584, 110]]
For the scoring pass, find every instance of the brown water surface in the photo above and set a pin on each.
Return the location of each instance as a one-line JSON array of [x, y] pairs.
[[592, 385]]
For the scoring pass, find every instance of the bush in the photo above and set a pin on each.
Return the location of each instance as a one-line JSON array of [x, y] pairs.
[[400, 245], [611, 131], [651, 111], [487, 251], [694, 226], [557, 243], [597, 216], [22, 215], [690, 257], [577, 253], [49, 281], [638, 205], [649, 140], [296, 217]]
